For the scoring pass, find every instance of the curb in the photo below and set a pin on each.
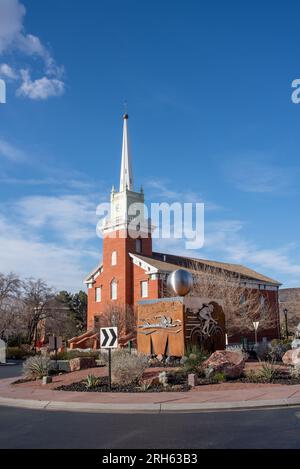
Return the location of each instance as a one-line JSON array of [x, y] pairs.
[[146, 408]]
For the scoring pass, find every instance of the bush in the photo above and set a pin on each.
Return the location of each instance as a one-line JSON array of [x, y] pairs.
[[92, 382], [18, 353], [253, 376], [127, 368], [36, 367], [278, 348], [70, 354], [193, 359], [217, 377], [268, 372]]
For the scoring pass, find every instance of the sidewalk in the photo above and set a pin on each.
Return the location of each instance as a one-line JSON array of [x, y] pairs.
[[211, 397]]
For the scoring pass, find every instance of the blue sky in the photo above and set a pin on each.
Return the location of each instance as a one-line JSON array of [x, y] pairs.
[[208, 87]]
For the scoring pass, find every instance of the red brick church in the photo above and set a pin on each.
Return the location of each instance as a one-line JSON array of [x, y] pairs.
[[130, 270]]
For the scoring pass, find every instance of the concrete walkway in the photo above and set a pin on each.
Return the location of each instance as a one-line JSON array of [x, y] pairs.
[[212, 397]]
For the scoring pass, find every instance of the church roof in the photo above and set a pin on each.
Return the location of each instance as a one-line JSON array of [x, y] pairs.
[[169, 262]]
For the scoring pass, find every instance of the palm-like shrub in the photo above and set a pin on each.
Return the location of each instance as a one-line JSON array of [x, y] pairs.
[[194, 358], [127, 368], [36, 367], [92, 382]]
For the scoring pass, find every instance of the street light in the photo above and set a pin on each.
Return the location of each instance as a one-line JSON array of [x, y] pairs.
[[255, 325], [285, 312]]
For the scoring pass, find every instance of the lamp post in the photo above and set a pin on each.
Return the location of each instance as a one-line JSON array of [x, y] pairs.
[[285, 312], [255, 325]]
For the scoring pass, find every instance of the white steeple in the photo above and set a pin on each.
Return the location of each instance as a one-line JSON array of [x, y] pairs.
[[126, 179]]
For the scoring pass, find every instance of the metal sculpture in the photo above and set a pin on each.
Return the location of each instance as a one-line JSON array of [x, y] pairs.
[[181, 282]]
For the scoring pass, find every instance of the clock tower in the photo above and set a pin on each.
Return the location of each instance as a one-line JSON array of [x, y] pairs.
[[125, 231]]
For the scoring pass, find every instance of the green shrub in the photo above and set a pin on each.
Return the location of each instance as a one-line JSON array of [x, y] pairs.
[[194, 358], [18, 353], [69, 355], [91, 382], [217, 377], [253, 376], [127, 368], [36, 367], [268, 372]]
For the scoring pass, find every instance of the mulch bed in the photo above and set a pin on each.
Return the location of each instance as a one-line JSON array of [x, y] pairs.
[[103, 387]]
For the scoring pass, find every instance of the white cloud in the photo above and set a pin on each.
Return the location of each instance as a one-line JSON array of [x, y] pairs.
[[40, 89], [50, 237], [10, 152], [60, 265], [13, 37], [11, 23], [161, 191], [71, 217], [251, 175], [8, 72]]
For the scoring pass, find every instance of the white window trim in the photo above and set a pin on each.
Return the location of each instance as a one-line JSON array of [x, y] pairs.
[[115, 284], [144, 282], [98, 289]]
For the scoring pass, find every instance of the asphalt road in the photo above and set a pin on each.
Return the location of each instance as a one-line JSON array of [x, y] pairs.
[[20, 428], [12, 369]]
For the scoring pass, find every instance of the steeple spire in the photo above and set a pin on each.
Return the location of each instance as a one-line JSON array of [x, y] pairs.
[[126, 179]]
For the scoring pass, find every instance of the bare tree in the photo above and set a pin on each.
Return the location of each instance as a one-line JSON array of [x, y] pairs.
[[10, 324], [242, 305], [38, 304], [118, 315]]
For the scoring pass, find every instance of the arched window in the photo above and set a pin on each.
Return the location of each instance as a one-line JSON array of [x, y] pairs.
[[114, 289], [114, 258]]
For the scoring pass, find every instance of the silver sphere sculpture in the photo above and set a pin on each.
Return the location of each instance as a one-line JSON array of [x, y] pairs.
[[181, 282]]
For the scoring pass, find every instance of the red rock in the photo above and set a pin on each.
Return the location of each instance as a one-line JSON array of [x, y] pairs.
[[82, 363], [230, 363], [292, 357]]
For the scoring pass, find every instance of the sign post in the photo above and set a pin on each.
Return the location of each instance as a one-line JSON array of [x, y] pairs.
[[54, 344], [109, 340]]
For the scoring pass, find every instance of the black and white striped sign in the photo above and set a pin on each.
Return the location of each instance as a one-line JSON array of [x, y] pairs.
[[109, 337]]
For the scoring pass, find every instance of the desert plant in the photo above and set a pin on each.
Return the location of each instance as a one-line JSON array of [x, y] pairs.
[[194, 358], [127, 368], [36, 367], [91, 382], [253, 376], [145, 385], [217, 377], [267, 372]]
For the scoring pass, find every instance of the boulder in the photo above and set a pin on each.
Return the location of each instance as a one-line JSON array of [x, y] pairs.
[[229, 362], [82, 363], [292, 357]]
